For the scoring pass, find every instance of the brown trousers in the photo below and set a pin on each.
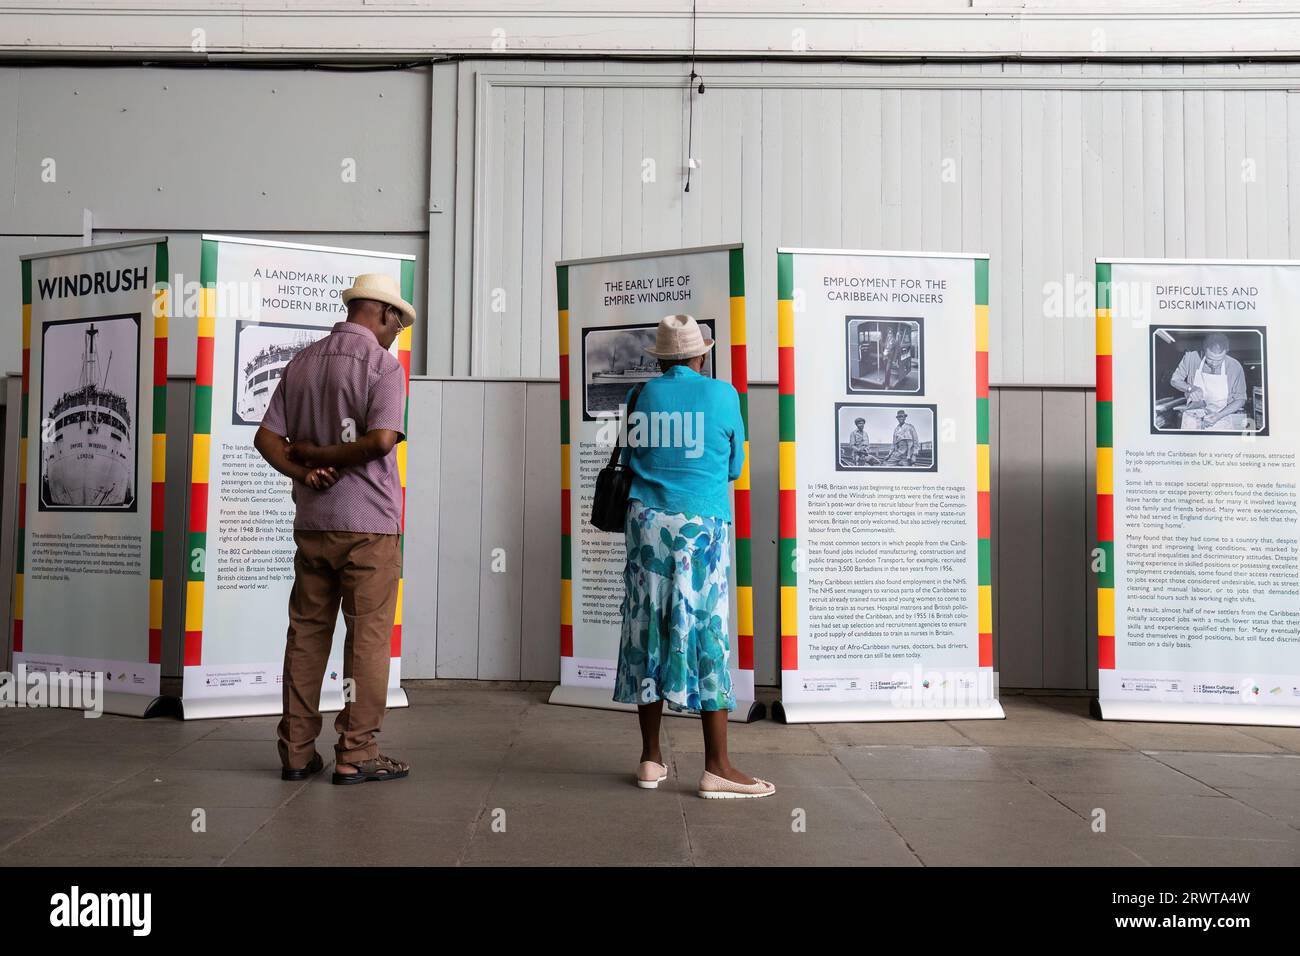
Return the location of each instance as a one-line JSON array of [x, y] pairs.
[[359, 572]]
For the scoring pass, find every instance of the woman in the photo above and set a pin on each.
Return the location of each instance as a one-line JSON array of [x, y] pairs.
[[686, 443]]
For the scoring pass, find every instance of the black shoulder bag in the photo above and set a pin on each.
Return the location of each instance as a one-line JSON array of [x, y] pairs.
[[609, 503]]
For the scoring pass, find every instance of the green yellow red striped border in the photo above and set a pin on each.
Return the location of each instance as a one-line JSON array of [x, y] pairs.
[[741, 491], [744, 532], [158, 451], [566, 498], [201, 451], [21, 555], [787, 507], [787, 534], [161, 311], [1105, 478], [984, 536], [200, 457], [407, 281]]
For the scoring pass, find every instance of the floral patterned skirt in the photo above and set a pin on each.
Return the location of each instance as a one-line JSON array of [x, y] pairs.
[[674, 642]]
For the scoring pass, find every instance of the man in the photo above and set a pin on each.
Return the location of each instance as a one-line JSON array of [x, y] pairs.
[[1215, 386], [860, 444], [906, 444], [894, 343], [333, 425]]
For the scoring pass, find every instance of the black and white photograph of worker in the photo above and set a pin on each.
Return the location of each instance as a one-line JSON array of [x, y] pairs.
[[885, 437]]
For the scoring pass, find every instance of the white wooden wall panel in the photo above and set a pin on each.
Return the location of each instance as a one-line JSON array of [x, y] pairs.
[[1043, 166]]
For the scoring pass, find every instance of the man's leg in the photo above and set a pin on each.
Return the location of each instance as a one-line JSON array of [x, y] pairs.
[[369, 578], [313, 612]]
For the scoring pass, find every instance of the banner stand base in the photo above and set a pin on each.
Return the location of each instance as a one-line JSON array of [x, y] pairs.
[[597, 698], [131, 705], [265, 705], [799, 712], [1243, 714]]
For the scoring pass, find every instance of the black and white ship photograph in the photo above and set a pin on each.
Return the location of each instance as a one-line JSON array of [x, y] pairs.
[[884, 355], [614, 358], [90, 374], [885, 437], [262, 350]]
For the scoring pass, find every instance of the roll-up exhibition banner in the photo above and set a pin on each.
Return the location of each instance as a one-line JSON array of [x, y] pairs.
[[608, 311], [884, 542], [92, 457], [1198, 552], [262, 303]]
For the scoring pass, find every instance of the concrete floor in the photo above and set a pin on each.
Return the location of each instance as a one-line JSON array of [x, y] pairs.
[[118, 791]]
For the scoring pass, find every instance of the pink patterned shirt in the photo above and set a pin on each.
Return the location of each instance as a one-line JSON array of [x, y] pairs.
[[333, 391]]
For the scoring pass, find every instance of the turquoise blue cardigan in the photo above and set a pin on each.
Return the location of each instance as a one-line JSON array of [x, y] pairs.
[[686, 444]]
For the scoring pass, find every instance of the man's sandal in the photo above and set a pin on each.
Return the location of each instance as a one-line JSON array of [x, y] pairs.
[[380, 768]]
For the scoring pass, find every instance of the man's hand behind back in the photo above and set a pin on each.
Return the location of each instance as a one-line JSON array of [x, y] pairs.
[[321, 478], [302, 452]]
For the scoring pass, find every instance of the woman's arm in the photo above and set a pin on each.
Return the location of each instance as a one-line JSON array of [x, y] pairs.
[[625, 456], [737, 463]]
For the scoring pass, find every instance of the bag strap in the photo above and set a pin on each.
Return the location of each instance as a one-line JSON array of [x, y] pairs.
[[618, 446]]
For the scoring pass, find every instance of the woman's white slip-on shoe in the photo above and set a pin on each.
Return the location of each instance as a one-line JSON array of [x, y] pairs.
[[713, 787], [649, 775]]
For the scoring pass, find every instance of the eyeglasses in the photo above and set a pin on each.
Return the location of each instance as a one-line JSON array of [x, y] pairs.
[[402, 325]]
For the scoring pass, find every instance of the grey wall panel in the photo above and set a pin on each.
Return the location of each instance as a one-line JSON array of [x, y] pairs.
[[420, 545], [460, 525], [440, 277], [463, 228], [501, 548], [9, 94], [222, 150], [540, 624], [1065, 539], [176, 504], [1020, 526], [763, 517]]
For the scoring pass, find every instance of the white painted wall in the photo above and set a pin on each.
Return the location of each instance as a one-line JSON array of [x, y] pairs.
[[418, 28], [1044, 167]]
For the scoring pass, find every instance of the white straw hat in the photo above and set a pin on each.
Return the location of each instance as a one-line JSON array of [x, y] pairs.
[[380, 288], [679, 337]]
